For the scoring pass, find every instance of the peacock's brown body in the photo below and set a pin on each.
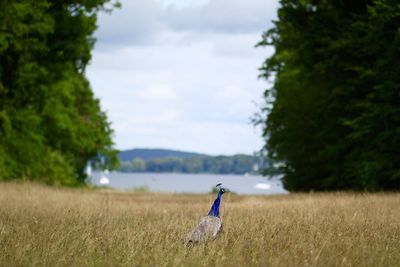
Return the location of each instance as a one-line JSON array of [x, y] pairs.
[[210, 225]]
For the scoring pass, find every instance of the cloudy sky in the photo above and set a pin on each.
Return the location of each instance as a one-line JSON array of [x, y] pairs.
[[182, 74]]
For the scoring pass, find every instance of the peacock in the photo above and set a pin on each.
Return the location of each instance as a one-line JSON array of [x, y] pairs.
[[210, 225]]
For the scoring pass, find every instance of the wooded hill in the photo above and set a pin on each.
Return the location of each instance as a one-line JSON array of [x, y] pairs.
[[149, 154], [162, 160]]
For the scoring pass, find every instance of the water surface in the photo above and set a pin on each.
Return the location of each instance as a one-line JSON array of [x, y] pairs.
[[192, 183]]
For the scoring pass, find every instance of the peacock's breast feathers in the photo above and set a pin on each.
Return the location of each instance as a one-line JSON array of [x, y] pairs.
[[208, 228]]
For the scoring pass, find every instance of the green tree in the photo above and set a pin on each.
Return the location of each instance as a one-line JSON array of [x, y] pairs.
[[333, 111], [51, 125], [138, 165]]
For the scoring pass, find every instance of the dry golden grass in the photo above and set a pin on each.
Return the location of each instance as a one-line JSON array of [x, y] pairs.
[[63, 227]]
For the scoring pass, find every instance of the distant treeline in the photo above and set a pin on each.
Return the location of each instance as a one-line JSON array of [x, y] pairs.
[[238, 164]]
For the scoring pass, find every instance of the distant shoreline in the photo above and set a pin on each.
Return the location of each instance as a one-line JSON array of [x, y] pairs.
[[174, 161]]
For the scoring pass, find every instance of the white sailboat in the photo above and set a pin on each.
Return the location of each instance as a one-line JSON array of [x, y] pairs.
[[262, 186], [104, 180]]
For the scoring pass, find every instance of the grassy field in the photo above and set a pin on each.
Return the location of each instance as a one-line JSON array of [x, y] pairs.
[[45, 226]]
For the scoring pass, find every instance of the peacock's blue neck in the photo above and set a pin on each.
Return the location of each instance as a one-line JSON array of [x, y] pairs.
[[214, 211]]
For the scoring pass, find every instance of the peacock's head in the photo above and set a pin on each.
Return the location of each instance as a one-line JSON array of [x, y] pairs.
[[221, 189]]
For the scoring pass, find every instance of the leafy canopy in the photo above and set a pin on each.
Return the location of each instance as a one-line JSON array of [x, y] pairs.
[[332, 115], [51, 124]]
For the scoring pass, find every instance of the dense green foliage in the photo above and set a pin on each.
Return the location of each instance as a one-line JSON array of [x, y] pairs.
[[50, 122], [238, 164], [333, 113]]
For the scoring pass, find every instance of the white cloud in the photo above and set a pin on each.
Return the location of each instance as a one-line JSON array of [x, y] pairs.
[[190, 87], [142, 22], [160, 92], [233, 16], [136, 23]]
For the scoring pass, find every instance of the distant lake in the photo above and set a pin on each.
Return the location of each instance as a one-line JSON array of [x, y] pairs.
[[192, 183]]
